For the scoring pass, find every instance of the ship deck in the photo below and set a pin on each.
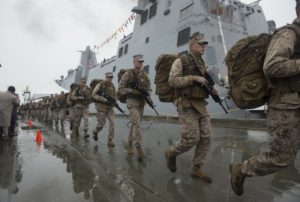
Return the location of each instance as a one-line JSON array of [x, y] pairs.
[[66, 168]]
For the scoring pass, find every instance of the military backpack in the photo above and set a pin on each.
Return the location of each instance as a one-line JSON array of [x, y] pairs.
[[93, 84], [248, 85], [70, 102], [162, 71], [121, 97]]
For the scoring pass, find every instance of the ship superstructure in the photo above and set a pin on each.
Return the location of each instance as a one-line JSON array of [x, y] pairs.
[[164, 26]]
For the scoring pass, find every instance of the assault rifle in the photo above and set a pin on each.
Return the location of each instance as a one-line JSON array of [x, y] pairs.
[[80, 94], [209, 86], [111, 101], [144, 94]]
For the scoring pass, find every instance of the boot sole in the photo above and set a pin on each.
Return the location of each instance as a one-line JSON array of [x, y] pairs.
[[231, 183], [172, 170]]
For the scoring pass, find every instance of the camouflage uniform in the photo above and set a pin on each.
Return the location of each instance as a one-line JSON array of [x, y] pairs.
[[49, 110], [70, 107], [62, 103], [45, 109], [196, 127], [54, 109], [282, 66], [135, 103], [187, 79], [104, 109], [81, 97]]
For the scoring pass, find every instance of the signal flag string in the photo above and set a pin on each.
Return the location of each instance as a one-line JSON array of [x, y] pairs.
[[120, 30]]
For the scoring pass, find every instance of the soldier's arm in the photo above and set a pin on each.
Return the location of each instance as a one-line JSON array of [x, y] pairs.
[[95, 95], [123, 89], [278, 62], [176, 79], [74, 96]]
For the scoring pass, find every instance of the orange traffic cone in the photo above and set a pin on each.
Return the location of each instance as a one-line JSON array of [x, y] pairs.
[[29, 123], [38, 137]]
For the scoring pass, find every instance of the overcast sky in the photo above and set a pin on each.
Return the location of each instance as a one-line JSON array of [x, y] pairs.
[[39, 39]]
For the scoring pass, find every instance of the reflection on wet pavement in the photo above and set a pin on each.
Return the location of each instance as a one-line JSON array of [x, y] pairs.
[[66, 168]]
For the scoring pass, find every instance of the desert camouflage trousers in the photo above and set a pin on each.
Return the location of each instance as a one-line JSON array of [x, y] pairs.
[[283, 126], [104, 112], [195, 130], [135, 116], [62, 114], [49, 114], [81, 111], [71, 114], [42, 114], [55, 115]]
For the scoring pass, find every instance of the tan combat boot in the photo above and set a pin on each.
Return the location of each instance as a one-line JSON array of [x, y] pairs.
[[95, 135], [198, 173], [110, 143], [237, 179], [140, 153], [171, 161], [75, 131], [86, 135]]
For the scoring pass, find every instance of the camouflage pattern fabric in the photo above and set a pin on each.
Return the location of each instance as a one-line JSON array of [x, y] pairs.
[[284, 128], [135, 116], [195, 130], [103, 112], [81, 112]]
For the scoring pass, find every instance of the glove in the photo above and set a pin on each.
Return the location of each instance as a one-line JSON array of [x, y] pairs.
[[103, 99], [135, 92], [214, 92], [201, 80]]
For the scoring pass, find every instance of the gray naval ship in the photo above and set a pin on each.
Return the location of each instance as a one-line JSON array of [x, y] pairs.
[[164, 26]]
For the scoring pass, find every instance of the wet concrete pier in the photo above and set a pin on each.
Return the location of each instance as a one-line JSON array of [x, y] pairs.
[[66, 168]]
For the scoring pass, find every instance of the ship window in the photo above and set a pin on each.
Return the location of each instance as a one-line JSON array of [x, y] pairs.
[[183, 36], [120, 52], [146, 68], [187, 10], [126, 49], [152, 11], [114, 68], [166, 12], [144, 17], [147, 40], [210, 54]]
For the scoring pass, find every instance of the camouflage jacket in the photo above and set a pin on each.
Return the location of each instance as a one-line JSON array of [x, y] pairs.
[[125, 86], [81, 96], [181, 80], [282, 67], [108, 88]]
